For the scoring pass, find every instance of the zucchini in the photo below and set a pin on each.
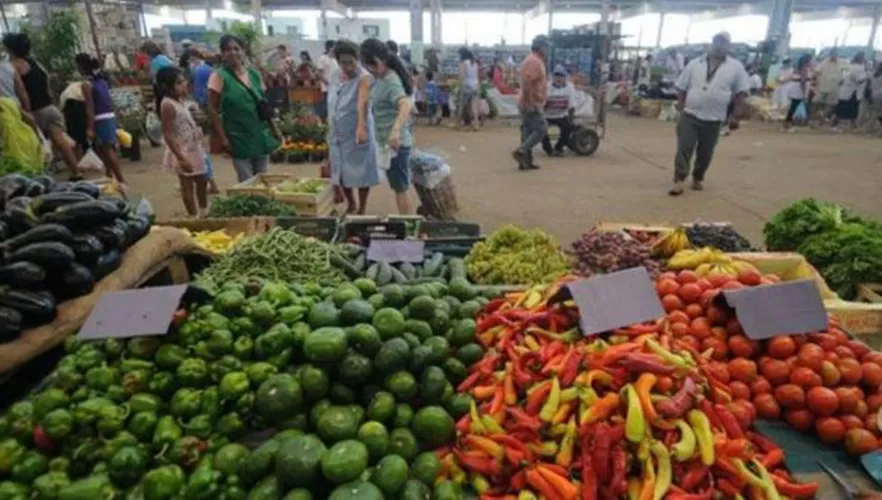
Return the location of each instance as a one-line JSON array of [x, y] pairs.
[[457, 269], [425, 280], [10, 324], [34, 188], [398, 276], [432, 267], [12, 186], [44, 232], [87, 249], [408, 270], [36, 308], [23, 274], [384, 274], [49, 254], [110, 235], [346, 266], [107, 264], [84, 214], [360, 262], [121, 204], [74, 282], [372, 271], [87, 187], [49, 202], [4, 230]]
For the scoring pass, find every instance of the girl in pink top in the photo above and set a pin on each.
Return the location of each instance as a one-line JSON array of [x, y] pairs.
[[183, 140]]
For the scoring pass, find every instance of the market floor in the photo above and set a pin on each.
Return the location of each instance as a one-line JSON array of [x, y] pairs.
[[756, 171]]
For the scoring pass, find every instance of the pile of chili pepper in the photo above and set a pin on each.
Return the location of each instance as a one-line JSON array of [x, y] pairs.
[[628, 414]]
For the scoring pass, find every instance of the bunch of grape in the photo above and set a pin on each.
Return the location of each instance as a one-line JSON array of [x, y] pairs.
[[515, 256], [601, 252]]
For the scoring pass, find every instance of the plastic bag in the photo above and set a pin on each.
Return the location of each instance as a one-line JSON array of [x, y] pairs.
[[124, 138], [209, 168], [800, 114], [91, 162]]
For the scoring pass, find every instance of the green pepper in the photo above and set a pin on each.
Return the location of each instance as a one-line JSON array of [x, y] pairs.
[[88, 357], [101, 377], [72, 345], [83, 454], [203, 484], [230, 426], [31, 466], [47, 486], [110, 426], [277, 294], [192, 372], [114, 348], [80, 395], [167, 431], [282, 359], [136, 493], [243, 348], [58, 424], [120, 441], [88, 411], [229, 302], [189, 334], [244, 327], [49, 400], [220, 342], [211, 402], [143, 347], [163, 483], [274, 340], [4, 426], [234, 385], [215, 321], [200, 426], [259, 371], [59, 464], [162, 384], [127, 466], [234, 493], [90, 488], [130, 365], [186, 402], [201, 351], [144, 402], [142, 424], [261, 312], [215, 443], [20, 410], [13, 491], [66, 378], [226, 364], [292, 314], [23, 430], [245, 403], [136, 381], [67, 361], [169, 356], [187, 451]]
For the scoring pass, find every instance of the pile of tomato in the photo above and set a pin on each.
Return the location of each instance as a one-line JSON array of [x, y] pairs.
[[826, 382]]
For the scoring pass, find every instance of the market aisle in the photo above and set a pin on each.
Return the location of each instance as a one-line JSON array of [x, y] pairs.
[[757, 171]]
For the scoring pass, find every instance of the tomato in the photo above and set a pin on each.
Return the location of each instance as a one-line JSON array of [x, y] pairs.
[[666, 287], [732, 285], [832, 356], [687, 276], [831, 430], [721, 351], [801, 420], [861, 409], [822, 401], [717, 315], [848, 398], [844, 352], [667, 275], [860, 441], [708, 296], [740, 390], [874, 402], [781, 347], [825, 341], [700, 328], [688, 341], [672, 303], [720, 333], [776, 371], [767, 407], [760, 386], [718, 280], [678, 316], [744, 411], [694, 310], [790, 396], [852, 422], [811, 356], [690, 293], [750, 277], [830, 375], [743, 369], [680, 330], [872, 357], [664, 384], [804, 377], [871, 375], [857, 347], [851, 371], [718, 371], [739, 345], [704, 284], [734, 327]]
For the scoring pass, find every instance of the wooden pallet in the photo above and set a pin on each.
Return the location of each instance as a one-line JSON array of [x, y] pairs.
[[870, 292], [259, 185]]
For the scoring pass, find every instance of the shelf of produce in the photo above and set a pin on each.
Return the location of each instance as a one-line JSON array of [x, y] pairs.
[[260, 185], [161, 250], [318, 204]]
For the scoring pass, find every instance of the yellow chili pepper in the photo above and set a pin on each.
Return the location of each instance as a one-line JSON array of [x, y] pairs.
[[664, 473], [588, 396], [490, 425], [563, 412], [533, 388], [527, 495], [557, 430], [486, 445], [703, 435], [634, 487], [475, 426], [768, 486], [569, 394], [668, 356], [643, 387], [565, 455], [552, 403], [530, 342], [635, 424], [648, 487], [546, 449], [457, 475], [643, 450], [479, 483], [685, 447]]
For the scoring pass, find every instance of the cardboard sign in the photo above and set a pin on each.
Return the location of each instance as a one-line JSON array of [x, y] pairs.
[[133, 313], [611, 301], [786, 308], [396, 250]]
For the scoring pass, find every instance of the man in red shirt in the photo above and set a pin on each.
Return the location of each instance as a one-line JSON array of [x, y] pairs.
[[534, 90]]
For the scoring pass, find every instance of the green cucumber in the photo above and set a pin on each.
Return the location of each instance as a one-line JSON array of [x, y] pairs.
[[398, 276], [372, 271], [360, 262], [346, 266], [432, 267], [384, 275], [457, 269], [408, 270]]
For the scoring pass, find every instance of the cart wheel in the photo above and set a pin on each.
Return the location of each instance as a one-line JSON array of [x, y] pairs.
[[584, 141]]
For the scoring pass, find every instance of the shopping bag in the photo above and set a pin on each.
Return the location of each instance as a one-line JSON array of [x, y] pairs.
[[124, 138], [384, 156], [209, 168], [91, 162], [800, 114]]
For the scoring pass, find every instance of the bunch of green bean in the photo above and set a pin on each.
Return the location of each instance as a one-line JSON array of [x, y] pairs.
[[278, 255]]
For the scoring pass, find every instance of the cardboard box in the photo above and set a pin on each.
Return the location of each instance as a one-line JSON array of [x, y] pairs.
[[259, 185], [788, 266]]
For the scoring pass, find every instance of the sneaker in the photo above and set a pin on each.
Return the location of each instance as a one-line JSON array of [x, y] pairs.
[[558, 152], [697, 186], [519, 157], [533, 166], [676, 189]]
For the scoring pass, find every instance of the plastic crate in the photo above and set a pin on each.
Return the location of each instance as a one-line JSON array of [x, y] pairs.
[[320, 228], [448, 229], [365, 230]]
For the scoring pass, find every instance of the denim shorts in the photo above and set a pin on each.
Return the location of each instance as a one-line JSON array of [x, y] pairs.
[[399, 171], [247, 168], [105, 132]]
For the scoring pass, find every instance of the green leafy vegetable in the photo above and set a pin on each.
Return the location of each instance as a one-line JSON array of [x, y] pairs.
[[846, 256], [248, 206]]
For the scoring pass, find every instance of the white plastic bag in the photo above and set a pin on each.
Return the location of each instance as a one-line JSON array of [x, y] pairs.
[[91, 162], [800, 115], [384, 156]]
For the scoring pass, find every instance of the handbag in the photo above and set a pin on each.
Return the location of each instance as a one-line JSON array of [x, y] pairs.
[[264, 110]]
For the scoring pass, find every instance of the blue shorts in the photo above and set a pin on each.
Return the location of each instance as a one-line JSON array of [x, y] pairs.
[[399, 171], [105, 132]]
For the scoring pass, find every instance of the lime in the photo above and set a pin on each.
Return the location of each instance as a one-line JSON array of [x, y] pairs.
[[375, 437], [390, 474], [356, 311], [381, 407], [402, 385], [389, 323], [402, 442], [345, 461], [422, 307], [434, 426], [337, 423], [366, 286], [355, 369], [426, 467], [403, 416], [364, 338], [345, 293]]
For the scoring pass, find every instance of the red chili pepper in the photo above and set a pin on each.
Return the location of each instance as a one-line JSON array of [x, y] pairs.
[[695, 474], [730, 423], [469, 382], [794, 489], [510, 442], [763, 443], [541, 485], [525, 435], [589, 476], [615, 353], [521, 420], [600, 451], [491, 321], [522, 376], [617, 433], [487, 466], [619, 482], [724, 466], [519, 480], [639, 362], [464, 424], [708, 409], [727, 487], [43, 442], [537, 399], [704, 495], [493, 305], [570, 368], [498, 402], [551, 350]]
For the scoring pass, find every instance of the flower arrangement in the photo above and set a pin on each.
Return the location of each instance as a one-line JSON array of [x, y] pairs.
[[307, 128]]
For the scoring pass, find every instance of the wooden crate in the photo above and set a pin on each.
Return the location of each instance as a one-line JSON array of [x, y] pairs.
[[259, 185], [870, 292], [319, 204], [232, 225]]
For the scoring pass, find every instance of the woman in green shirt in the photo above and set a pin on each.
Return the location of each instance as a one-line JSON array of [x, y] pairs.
[[238, 112], [391, 104]]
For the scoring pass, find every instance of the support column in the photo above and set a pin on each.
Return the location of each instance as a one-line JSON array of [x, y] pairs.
[[3, 12], [550, 16], [257, 12], [604, 17], [143, 20], [323, 16], [779, 25], [435, 17], [416, 21], [523, 30], [661, 28], [209, 17], [93, 29], [874, 28]]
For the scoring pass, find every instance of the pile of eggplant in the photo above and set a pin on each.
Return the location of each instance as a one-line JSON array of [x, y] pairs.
[[57, 239]]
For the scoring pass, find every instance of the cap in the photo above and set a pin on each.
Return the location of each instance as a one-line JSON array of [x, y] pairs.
[[541, 41], [724, 35], [186, 41], [559, 70]]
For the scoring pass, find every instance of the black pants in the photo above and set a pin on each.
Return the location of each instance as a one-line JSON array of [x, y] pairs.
[[566, 127], [794, 105]]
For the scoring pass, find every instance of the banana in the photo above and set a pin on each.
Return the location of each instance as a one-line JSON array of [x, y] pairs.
[[670, 243], [702, 270]]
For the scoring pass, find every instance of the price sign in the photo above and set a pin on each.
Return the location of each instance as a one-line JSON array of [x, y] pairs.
[[133, 313], [785, 308], [396, 250], [615, 300]]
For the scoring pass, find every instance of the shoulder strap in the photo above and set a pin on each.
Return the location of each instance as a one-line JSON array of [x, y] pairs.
[[250, 90]]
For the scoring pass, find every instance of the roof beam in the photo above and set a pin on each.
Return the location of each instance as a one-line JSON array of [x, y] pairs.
[[840, 13], [539, 10], [336, 6]]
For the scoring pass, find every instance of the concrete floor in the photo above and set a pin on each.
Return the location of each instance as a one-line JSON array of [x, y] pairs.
[[756, 171]]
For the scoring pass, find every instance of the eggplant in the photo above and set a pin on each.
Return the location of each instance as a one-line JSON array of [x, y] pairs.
[[18, 215], [121, 204], [44, 232], [87, 248], [12, 186], [36, 308], [84, 214], [10, 324], [4, 230], [23, 274], [111, 236], [50, 201], [136, 228], [34, 189], [49, 254], [61, 187], [90, 188], [107, 264], [73, 282], [46, 181]]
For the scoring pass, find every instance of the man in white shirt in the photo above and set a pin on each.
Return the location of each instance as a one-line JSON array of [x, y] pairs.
[[327, 66], [559, 110], [829, 76], [704, 90]]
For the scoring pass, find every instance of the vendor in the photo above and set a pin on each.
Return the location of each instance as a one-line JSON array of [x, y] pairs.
[[560, 110]]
